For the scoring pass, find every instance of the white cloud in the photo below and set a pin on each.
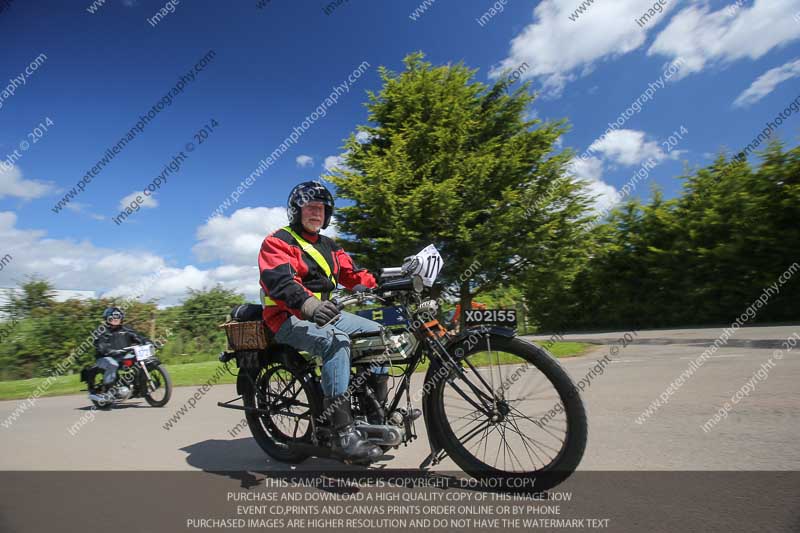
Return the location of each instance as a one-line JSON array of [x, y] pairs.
[[171, 284], [148, 202], [362, 137], [605, 195], [77, 207], [334, 162], [237, 239], [623, 147], [703, 37], [628, 147], [591, 170], [304, 161], [12, 184], [558, 49], [766, 83], [68, 264]]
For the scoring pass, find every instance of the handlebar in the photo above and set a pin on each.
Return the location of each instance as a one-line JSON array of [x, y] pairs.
[[351, 299], [398, 284], [128, 349]]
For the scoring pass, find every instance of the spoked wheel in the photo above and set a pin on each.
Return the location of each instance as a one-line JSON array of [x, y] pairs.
[[511, 413], [159, 388], [291, 402]]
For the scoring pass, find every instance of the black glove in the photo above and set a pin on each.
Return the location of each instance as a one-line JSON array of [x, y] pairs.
[[318, 311]]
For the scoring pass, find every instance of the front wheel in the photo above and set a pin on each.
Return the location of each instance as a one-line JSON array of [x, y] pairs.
[[159, 387], [507, 412]]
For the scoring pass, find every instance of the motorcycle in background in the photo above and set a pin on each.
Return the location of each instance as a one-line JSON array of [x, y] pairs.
[[140, 375]]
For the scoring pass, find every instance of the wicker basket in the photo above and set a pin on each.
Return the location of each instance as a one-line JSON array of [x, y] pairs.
[[246, 335]]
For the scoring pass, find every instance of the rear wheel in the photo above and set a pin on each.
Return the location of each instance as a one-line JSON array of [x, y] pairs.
[[509, 412], [290, 401]]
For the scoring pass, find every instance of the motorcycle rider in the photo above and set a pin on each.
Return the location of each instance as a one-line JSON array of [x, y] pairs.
[[299, 268], [107, 346]]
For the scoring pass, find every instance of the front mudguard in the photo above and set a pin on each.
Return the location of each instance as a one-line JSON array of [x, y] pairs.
[[152, 363], [436, 372]]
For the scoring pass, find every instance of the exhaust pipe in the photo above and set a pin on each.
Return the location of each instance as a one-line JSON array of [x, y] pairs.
[[100, 398]]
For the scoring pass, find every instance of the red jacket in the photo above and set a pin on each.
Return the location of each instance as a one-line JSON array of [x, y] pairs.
[[289, 276]]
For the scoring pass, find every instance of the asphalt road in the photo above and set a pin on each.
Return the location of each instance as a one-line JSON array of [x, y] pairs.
[[760, 433]]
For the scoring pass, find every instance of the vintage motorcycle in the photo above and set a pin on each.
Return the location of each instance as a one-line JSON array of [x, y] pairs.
[[140, 375], [501, 407]]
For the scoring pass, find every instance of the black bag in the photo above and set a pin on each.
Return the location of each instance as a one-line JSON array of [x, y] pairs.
[[246, 313]]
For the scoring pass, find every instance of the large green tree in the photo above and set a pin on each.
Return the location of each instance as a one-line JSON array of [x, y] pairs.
[[700, 258], [454, 162]]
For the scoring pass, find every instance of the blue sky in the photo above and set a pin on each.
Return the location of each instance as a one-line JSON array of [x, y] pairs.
[[274, 65]]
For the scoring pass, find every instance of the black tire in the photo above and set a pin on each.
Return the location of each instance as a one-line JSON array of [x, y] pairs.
[[270, 433], [548, 475], [161, 376]]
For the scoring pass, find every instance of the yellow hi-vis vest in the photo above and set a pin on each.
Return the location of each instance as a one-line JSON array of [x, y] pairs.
[[315, 255]]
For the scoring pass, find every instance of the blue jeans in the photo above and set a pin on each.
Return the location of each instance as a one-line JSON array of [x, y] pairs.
[[332, 343], [109, 366]]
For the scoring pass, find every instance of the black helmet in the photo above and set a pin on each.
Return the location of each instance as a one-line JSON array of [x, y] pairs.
[[309, 191], [113, 312]]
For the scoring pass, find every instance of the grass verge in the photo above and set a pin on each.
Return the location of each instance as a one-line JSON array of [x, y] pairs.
[[192, 374]]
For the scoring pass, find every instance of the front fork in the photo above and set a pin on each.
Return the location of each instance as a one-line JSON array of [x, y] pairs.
[[443, 368], [148, 381]]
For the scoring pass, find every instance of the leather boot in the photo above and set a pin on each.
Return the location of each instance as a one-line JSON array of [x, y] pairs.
[[379, 383], [348, 443]]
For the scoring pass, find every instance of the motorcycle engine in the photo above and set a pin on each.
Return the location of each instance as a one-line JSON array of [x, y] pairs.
[[123, 393]]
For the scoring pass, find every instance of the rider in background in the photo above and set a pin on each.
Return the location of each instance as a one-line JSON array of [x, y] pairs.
[[107, 345], [299, 269]]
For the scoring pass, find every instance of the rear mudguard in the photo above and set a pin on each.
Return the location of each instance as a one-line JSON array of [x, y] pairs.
[[276, 353], [431, 375]]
